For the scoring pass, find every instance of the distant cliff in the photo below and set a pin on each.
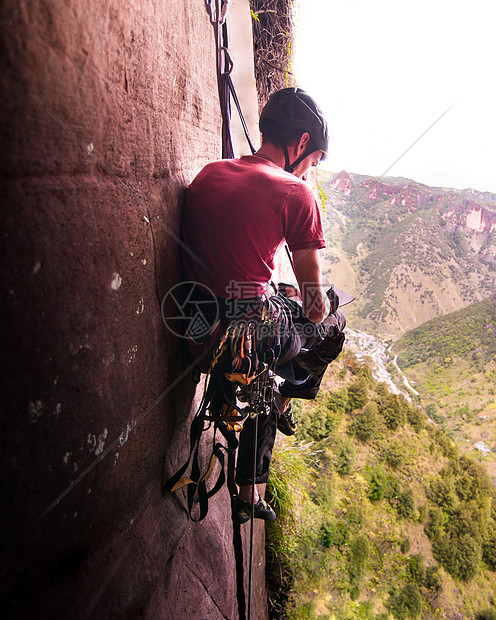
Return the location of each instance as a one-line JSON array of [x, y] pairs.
[[467, 208]]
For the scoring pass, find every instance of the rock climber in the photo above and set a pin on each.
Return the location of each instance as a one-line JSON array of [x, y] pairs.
[[238, 214]]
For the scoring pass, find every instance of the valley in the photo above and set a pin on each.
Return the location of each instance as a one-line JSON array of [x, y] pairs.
[[457, 398], [416, 258], [374, 353]]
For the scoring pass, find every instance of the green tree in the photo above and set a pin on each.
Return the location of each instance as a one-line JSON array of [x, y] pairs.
[[473, 482], [461, 557], [358, 394], [338, 401], [405, 545], [359, 549], [365, 424], [432, 579], [346, 457], [313, 424], [394, 454], [464, 519], [382, 391], [406, 504], [435, 525], [407, 603], [334, 533], [416, 568], [358, 553], [363, 371], [489, 547], [431, 410], [391, 409], [447, 447], [416, 418], [377, 483], [422, 513], [443, 491], [466, 558], [323, 418]]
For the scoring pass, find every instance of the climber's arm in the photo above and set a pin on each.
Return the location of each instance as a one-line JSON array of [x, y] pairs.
[[306, 264]]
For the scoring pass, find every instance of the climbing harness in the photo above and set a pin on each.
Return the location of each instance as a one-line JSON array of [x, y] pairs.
[[239, 383]]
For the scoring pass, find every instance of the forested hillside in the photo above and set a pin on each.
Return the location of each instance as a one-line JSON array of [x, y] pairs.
[[409, 252], [387, 506], [469, 334], [451, 361], [380, 514]]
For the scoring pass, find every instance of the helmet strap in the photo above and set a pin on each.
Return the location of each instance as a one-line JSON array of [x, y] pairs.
[[291, 167], [287, 166]]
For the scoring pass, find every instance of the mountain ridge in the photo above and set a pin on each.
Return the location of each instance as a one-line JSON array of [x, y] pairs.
[[357, 178], [409, 252]]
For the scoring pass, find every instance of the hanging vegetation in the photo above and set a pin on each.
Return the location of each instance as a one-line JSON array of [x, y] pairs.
[[273, 45]]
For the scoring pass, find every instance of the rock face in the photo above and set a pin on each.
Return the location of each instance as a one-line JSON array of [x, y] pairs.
[[378, 190], [473, 216], [342, 183], [108, 111]]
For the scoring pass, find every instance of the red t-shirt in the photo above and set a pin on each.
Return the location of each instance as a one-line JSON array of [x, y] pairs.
[[238, 212]]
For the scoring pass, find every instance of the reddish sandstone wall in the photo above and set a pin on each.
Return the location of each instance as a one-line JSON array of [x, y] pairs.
[[108, 111]]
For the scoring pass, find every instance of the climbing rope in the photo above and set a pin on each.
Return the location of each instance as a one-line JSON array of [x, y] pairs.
[[240, 367], [217, 10], [252, 516]]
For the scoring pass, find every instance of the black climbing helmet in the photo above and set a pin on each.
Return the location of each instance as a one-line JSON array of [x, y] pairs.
[[293, 109]]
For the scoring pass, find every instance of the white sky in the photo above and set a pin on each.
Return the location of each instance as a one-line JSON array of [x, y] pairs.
[[384, 70]]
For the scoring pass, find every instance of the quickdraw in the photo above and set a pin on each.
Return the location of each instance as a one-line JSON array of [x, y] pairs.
[[252, 362]]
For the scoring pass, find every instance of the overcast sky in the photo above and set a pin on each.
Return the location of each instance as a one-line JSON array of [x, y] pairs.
[[385, 70]]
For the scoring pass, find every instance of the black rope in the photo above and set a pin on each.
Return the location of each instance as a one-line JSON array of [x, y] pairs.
[[241, 117], [252, 517], [237, 542], [226, 92]]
